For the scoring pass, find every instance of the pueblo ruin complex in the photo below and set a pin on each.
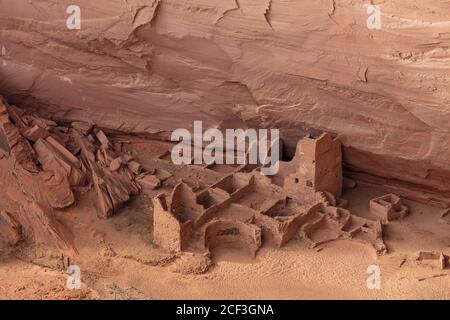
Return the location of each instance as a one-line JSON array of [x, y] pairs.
[[240, 208], [194, 210], [244, 208]]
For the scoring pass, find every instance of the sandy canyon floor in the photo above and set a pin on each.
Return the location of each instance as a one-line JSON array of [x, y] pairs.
[[118, 261]]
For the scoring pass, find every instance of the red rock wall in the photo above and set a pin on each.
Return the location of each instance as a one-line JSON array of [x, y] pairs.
[[156, 65]]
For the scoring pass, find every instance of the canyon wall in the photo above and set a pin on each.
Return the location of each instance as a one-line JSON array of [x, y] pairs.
[[151, 66]]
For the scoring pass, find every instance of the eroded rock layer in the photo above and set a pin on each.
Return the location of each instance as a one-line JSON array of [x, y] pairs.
[[151, 66]]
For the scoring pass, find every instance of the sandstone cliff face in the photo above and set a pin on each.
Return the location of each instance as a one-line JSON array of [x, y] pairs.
[[151, 66]]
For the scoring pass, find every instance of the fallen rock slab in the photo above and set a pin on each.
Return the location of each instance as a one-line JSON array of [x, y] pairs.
[[149, 182]]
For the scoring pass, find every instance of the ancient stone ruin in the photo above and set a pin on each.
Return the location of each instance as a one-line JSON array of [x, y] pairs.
[[240, 208], [388, 207], [246, 209]]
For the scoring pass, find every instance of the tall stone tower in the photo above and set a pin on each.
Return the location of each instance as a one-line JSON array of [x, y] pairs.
[[319, 167]]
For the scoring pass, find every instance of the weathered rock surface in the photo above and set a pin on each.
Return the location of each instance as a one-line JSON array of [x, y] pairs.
[[10, 230], [113, 187], [42, 163], [156, 65], [40, 223]]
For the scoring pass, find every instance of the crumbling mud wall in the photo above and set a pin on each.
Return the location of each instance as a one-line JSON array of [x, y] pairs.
[[151, 66], [172, 231], [233, 234]]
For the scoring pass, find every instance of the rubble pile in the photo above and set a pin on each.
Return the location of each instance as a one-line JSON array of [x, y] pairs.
[[49, 163]]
